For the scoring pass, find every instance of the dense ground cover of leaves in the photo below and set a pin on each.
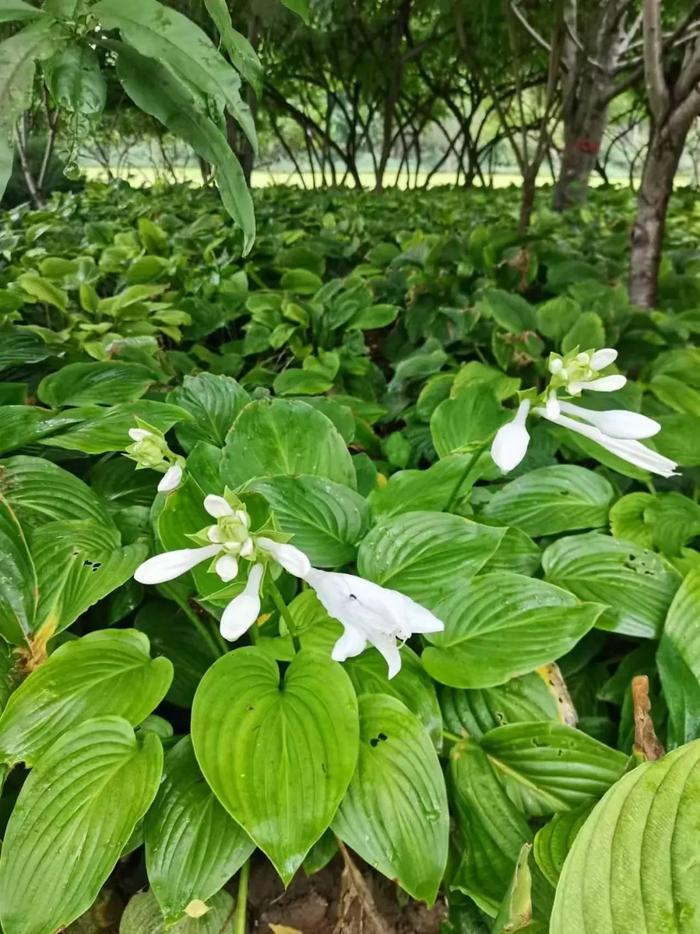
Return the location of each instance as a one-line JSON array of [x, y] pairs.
[[344, 381]]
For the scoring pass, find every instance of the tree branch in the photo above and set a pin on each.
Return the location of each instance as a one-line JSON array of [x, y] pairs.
[[657, 89]]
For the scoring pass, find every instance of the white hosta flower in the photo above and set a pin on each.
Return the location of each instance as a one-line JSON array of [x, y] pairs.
[[510, 443], [290, 558], [618, 423], [370, 614], [578, 371], [171, 564], [600, 384], [244, 609], [627, 448], [171, 480]]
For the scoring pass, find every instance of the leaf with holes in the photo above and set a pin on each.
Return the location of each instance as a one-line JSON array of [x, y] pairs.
[[548, 767], [636, 584], [283, 752], [395, 814]]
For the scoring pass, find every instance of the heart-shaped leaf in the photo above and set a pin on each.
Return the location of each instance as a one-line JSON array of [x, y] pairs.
[[282, 754]]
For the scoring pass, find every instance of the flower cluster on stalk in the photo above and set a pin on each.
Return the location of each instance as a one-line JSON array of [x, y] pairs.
[[150, 450], [617, 430], [369, 614]]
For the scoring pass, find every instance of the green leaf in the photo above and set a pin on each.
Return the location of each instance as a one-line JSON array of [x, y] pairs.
[[161, 93], [475, 712], [106, 673], [554, 840], [38, 490], [110, 432], [411, 685], [510, 311], [588, 331], [106, 383], [18, 584], [679, 438], [548, 767], [280, 436], [13, 10], [43, 290], [282, 755], [678, 660], [17, 346], [413, 490], [78, 562], [193, 847], [491, 827], [22, 425], [18, 57], [161, 33], [300, 7], [75, 80], [73, 816], [501, 625], [301, 383], [629, 868], [551, 500], [636, 584], [143, 916], [395, 814], [466, 422], [326, 519], [423, 554], [214, 402], [240, 51]]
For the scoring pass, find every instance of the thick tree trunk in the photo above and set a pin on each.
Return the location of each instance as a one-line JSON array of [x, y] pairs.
[[660, 165], [583, 135]]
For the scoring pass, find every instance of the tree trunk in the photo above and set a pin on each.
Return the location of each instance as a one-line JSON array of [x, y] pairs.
[[527, 200], [239, 142], [660, 165], [583, 135]]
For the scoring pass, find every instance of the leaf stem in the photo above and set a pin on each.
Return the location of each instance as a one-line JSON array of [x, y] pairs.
[[283, 610], [453, 738], [218, 646], [465, 473], [239, 925]]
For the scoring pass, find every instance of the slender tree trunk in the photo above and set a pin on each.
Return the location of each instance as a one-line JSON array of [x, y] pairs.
[[660, 165], [527, 200], [583, 135]]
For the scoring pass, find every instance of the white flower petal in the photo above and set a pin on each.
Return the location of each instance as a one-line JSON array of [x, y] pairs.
[[226, 567], [247, 548], [629, 450], [214, 534], [244, 609], [139, 434], [171, 479], [553, 405], [602, 384], [602, 358], [350, 644], [387, 646], [172, 564], [291, 559], [509, 446], [217, 507], [617, 423]]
